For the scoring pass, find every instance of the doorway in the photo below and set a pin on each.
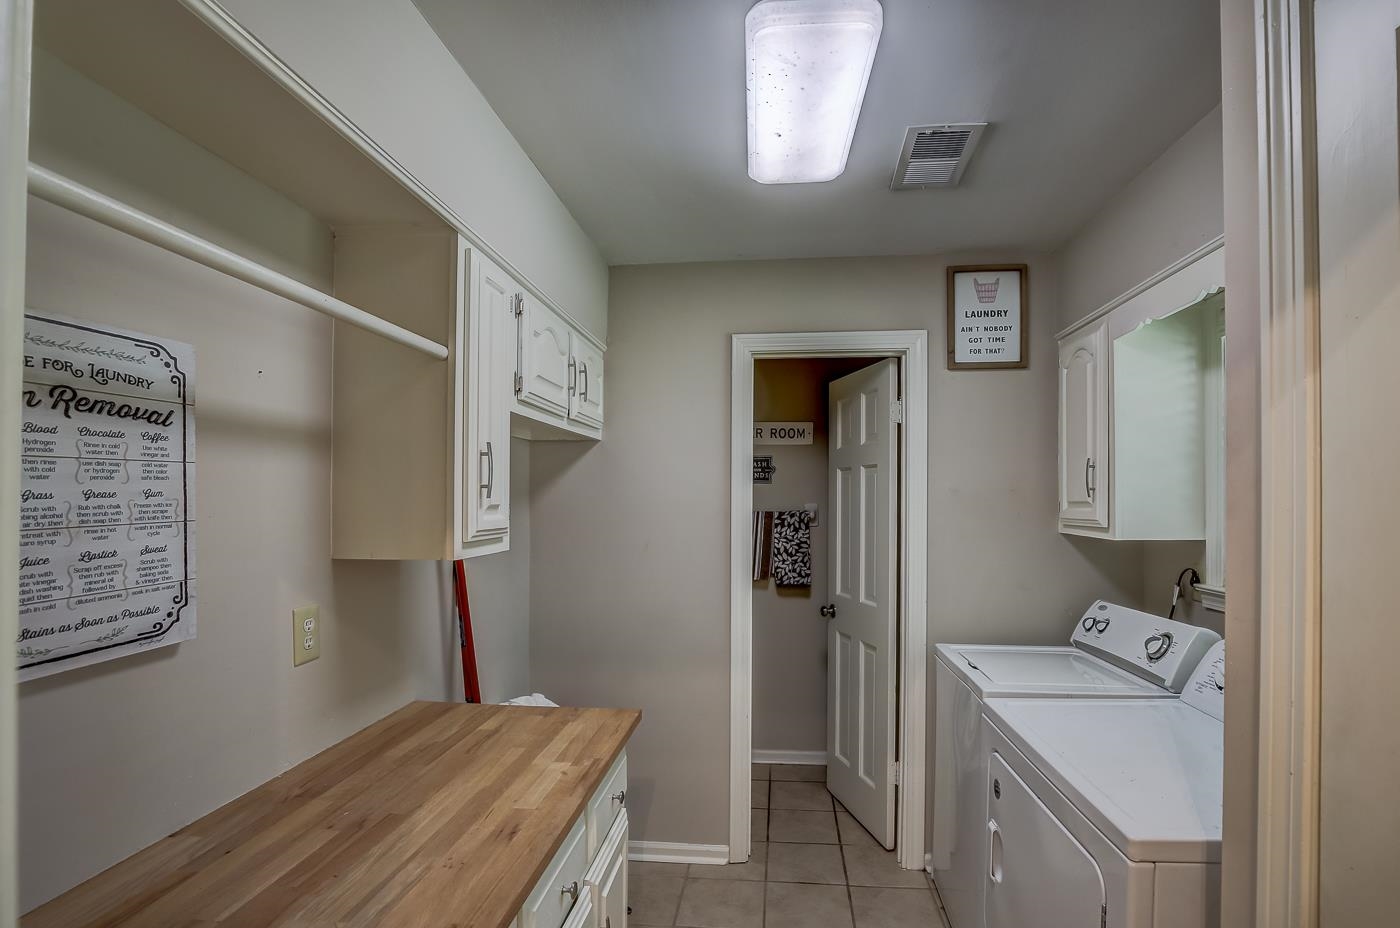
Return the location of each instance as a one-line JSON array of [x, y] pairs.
[[903, 690]]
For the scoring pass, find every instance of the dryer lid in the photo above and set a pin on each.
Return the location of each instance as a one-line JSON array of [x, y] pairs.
[[1009, 671]]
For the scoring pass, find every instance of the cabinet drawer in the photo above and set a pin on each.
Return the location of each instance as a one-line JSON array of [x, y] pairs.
[[607, 878], [583, 914], [606, 803], [551, 901]]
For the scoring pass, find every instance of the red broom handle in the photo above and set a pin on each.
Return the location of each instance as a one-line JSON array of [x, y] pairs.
[[471, 683]]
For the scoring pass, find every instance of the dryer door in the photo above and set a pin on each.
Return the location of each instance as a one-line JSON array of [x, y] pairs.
[[1037, 873]]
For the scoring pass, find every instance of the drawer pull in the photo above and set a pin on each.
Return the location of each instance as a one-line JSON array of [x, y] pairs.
[[620, 797], [571, 891]]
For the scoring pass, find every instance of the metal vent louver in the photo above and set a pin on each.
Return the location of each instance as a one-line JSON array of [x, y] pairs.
[[935, 156]]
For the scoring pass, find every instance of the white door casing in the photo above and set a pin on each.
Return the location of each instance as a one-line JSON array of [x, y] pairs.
[[910, 347], [862, 641]]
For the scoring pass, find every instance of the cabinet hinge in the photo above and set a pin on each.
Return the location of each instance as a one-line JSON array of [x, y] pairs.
[[895, 773], [519, 309], [519, 383], [897, 411]]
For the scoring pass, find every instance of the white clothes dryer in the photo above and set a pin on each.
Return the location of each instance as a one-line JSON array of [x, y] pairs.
[[1107, 811], [1114, 653]]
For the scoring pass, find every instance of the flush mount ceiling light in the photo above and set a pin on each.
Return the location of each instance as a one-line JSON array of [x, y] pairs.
[[809, 61]]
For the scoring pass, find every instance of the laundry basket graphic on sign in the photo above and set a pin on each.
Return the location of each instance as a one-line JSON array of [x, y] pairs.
[[986, 289]]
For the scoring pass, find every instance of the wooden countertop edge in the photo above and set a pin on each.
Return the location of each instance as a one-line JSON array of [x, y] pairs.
[[567, 823], [107, 911]]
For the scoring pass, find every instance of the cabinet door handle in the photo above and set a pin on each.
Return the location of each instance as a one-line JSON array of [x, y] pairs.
[[583, 370], [1090, 469], [573, 376], [620, 797], [490, 455]]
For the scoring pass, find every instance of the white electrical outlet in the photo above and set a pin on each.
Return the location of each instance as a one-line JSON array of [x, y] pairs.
[[306, 634]]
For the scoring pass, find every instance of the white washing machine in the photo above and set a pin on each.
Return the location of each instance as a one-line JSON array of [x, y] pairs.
[[1107, 812], [1114, 652]]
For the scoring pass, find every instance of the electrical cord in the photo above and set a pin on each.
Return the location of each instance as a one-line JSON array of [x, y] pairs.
[[1177, 588]]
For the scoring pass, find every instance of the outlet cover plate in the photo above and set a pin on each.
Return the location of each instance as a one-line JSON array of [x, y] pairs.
[[306, 634]]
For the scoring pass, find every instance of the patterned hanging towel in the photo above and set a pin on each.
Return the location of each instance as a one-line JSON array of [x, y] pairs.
[[792, 548], [762, 545]]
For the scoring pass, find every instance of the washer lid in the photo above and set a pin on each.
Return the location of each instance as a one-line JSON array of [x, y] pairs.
[[1005, 671], [1146, 773]]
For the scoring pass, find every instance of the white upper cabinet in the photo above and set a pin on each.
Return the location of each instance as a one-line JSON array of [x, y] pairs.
[[421, 448], [586, 407], [1084, 449], [559, 376], [1135, 416], [487, 384], [545, 362]]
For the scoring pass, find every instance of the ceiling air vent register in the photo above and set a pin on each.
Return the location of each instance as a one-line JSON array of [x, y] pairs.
[[936, 156]]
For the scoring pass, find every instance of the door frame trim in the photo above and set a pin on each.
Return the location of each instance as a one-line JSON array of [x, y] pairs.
[[16, 28], [1290, 606], [910, 347]]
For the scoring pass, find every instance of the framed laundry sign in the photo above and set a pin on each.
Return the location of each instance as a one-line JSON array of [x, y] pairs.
[[107, 526], [988, 309]]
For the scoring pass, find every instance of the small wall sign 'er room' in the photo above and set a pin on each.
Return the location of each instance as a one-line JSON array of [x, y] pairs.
[[988, 305]]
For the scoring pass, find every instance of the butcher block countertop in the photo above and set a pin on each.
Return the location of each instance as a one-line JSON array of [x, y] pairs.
[[442, 814]]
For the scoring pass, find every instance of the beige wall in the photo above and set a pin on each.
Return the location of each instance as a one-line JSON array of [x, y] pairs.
[[633, 534], [789, 634], [1170, 209], [1358, 201], [382, 65], [117, 755]]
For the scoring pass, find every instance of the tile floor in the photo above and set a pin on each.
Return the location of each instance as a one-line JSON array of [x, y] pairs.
[[813, 866]]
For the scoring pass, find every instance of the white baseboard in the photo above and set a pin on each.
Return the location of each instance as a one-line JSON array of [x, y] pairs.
[[812, 758], [666, 852]]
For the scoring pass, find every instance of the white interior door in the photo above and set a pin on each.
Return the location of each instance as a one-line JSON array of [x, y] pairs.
[[863, 493]]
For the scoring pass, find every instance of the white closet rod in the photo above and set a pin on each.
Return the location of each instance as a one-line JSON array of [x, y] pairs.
[[58, 189]]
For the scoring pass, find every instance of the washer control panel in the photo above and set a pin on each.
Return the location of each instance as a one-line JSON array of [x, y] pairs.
[[1206, 688], [1150, 646]]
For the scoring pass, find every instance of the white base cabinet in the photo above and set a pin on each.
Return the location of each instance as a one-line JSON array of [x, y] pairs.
[[585, 885]]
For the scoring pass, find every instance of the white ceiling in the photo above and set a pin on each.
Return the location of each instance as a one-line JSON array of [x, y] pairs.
[[634, 112]]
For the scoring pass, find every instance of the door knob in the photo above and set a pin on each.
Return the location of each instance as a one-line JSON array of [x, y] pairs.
[[829, 610]]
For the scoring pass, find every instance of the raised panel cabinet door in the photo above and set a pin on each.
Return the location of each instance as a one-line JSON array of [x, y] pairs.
[[587, 405], [488, 376], [1083, 445], [546, 365], [610, 888]]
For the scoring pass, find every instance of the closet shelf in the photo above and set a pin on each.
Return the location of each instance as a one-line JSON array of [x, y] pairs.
[[57, 189]]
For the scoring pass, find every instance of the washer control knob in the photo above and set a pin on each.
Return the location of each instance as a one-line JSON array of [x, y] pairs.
[[1158, 645], [1088, 623]]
